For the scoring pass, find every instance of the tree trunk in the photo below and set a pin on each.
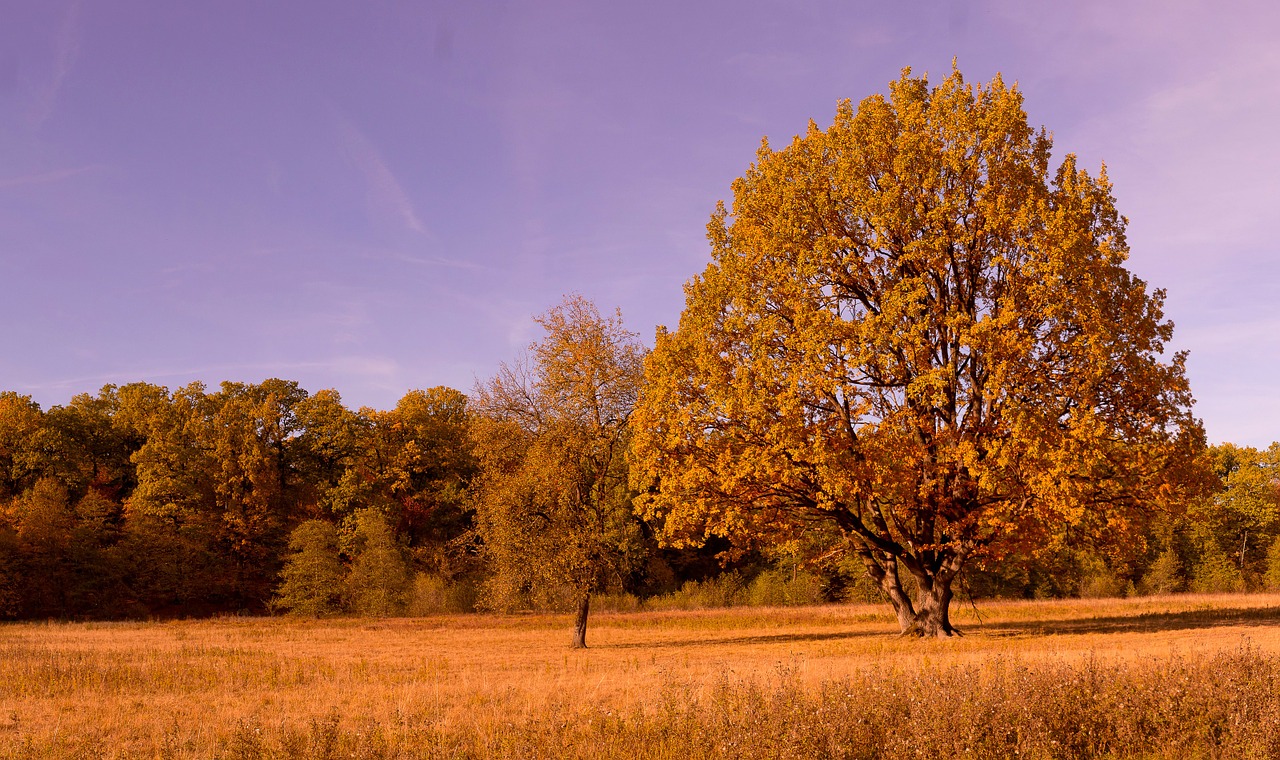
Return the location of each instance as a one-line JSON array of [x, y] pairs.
[[580, 622], [928, 616], [933, 618]]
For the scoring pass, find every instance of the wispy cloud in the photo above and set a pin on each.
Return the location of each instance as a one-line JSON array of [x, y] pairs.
[[387, 196], [443, 261], [1227, 336], [41, 178], [66, 51]]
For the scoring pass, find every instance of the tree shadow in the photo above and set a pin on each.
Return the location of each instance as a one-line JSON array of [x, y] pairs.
[[773, 638], [1151, 622]]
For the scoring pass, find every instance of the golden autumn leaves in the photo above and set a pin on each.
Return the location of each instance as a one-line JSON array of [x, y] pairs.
[[912, 332], [551, 434], [911, 337]]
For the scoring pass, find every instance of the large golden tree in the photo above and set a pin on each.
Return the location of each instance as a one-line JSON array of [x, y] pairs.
[[914, 332]]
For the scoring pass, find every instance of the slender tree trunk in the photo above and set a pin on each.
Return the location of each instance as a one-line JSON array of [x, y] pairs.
[[580, 622]]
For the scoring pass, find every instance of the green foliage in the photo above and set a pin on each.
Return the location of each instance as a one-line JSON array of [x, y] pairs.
[[784, 587], [312, 578], [378, 584], [724, 590], [20, 419], [1098, 580], [1164, 576], [139, 501], [1241, 519], [1214, 572], [1271, 580], [770, 587], [617, 601]]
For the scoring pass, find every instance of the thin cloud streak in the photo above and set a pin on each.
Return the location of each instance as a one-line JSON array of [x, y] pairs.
[[42, 178], [469, 266], [66, 51], [386, 195]]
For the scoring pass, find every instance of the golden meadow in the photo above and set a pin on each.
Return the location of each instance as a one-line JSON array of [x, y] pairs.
[[1165, 676]]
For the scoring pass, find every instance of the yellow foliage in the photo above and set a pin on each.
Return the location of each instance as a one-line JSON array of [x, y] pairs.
[[911, 329], [551, 433]]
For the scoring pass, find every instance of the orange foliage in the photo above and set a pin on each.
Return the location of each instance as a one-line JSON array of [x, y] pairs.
[[912, 330]]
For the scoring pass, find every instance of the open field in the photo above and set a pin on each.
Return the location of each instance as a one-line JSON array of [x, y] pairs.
[[1151, 677]]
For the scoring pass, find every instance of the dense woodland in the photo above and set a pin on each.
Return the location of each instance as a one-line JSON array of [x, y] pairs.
[[145, 502]]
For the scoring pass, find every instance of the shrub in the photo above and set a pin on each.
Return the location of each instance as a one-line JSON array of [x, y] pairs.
[[432, 594], [863, 590], [1097, 581], [1164, 576], [781, 588], [616, 602], [724, 590]]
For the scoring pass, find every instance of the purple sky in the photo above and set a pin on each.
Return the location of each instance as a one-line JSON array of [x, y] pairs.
[[376, 196]]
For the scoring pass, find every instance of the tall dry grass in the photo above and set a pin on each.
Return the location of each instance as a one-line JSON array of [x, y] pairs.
[[1179, 676]]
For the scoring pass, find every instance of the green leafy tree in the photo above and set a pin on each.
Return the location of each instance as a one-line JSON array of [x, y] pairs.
[[378, 583], [412, 463], [311, 581], [425, 448], [172, 524], [1241, 519], [216, 477], [81, 446], [46, 521], [20, 419], [1164, 575], [248, 429], [1271, 579], [330, 451]]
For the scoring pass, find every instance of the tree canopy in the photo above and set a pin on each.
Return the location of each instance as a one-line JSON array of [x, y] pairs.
[[552, 503], [911, 329]]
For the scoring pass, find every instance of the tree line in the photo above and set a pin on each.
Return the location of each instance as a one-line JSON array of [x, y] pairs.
[[915, 366], [142, 502]]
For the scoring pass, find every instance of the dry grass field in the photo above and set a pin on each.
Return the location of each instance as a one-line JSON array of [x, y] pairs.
[[1176, 676]]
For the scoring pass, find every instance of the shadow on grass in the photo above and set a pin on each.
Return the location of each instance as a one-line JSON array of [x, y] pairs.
[[772, 638], [1151, 622]]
